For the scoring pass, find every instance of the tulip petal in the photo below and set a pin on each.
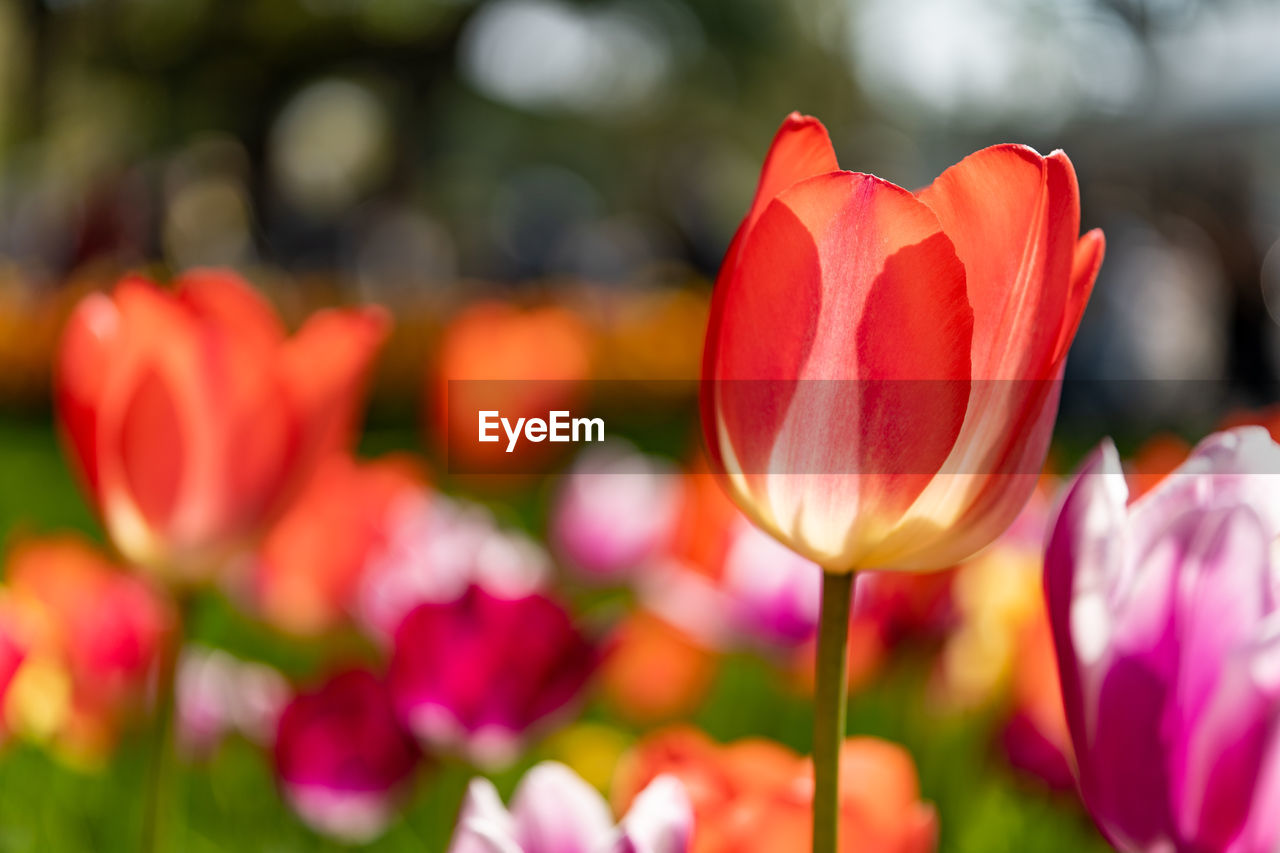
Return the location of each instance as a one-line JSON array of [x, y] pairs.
[[1240, 465], [756, 381], [426, 685], [243, 335], [90, 335], [1222, 758], [973, 500], [266, 440], [880, 798], [1085, 552], [552, 634], [325, 366], [1262, 832], [1223, 589], [1125, 780], [801, 149], [512, 663], [161, 366], [1221, 721], [1014, 217], [223, 299], [152, 448], [1084, 272], [555, 811], [484, 824], [659, 821], [342, 756]]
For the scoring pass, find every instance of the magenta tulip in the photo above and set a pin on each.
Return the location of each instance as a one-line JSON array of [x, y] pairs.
[[1166, 620], [342, 757], [476, 674]]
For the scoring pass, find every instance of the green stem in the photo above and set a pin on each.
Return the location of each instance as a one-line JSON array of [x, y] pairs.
[[829, 709], [162, 733]]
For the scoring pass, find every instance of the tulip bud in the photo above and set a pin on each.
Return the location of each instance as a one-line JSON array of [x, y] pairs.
[[882, 368]]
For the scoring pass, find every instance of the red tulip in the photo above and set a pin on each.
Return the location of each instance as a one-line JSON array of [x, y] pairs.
[[656, 671], [883, 367], [191, 417]]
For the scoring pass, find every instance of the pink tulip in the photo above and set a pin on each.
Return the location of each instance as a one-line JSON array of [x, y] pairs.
[[774, 592], [1165, 617], [617, 508], [218, 695], [13, 651], [555, 811], [476, 674], [342, 757], [434, 549]]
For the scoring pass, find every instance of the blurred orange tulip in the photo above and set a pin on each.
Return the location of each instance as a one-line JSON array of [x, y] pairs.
[[520, 362], [192, 418], [654, 671], [93, 635], [705, 523], [755, 796], [311, 562]]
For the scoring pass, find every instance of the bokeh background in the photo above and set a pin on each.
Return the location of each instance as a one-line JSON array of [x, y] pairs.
[[596, 157]]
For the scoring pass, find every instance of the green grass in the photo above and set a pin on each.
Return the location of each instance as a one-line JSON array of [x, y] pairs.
[[230, 802]]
